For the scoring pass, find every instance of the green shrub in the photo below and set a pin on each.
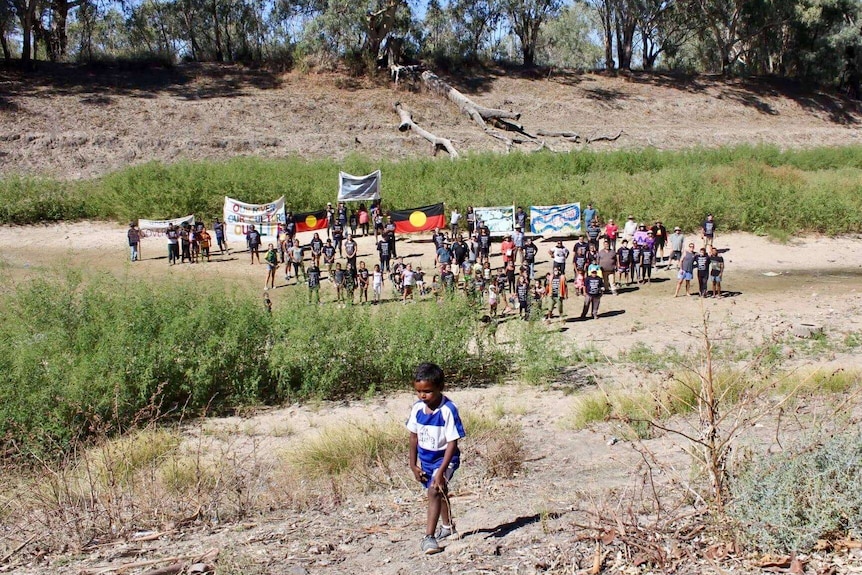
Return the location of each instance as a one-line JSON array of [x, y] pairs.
[[786, 502], [759, 189], [79, 357]]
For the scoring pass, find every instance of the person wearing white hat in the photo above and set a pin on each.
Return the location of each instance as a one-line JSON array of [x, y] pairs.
[[629, 229], [677, 241]]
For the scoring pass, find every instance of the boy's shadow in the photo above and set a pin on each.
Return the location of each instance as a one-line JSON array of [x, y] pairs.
[[505, 528]]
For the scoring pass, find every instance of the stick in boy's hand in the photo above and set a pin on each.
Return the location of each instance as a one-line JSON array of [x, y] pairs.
[[434, 458]]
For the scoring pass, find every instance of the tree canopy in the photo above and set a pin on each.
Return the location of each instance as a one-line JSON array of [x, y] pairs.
[[814, 40]]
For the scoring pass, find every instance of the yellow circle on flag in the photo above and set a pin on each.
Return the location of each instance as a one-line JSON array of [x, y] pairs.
[[310, 221], [418, 219]]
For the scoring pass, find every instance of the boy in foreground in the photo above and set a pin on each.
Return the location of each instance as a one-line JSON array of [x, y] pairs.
[[435, 428]]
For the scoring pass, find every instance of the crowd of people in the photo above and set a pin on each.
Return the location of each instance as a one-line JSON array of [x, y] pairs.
[[604, 259]]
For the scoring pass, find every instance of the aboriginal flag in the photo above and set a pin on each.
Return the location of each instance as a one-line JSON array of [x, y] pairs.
[[310, 221], [419, 219]]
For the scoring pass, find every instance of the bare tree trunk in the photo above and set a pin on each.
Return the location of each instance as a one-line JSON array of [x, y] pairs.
[[219, 52], [379, 25], [7, 53], [438, 143], [477, 113]]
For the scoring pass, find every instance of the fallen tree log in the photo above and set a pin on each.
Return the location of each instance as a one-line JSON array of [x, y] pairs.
[[479, 114], [605, 138], [571, 136], [437, 142]]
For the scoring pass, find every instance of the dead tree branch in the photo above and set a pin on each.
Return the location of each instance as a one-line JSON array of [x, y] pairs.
[[407, 123]]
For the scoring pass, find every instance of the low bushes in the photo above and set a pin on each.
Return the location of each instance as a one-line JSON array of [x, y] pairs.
[[82, 357], [759, 189], [787, 501]]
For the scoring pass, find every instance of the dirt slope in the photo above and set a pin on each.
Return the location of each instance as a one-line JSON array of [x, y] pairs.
[[80, 122]]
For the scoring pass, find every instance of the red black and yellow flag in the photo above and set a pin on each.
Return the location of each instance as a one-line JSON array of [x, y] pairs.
[[419, 219], [310, 221]]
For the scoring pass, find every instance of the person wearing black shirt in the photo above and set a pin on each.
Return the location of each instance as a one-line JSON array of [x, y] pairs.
[[647, 258], [594, 287], [686, 267], [313, 274], [253, 240], [593, 232], [637, 252], [316, 245], [659, 232], [701, 262], [707, 231], [716, 270], [383, 248], [329, 256], [522, 293], [290, 226], [362, 276], [330, 219], [351, 249], [338, 237], [624, 260], [530, 251], [484, 244], [389, 235], [460, 251], [448, 279]]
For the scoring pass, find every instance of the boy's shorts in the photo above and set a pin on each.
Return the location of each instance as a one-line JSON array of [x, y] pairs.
[[684, 275], [430, 471], [675, 255]]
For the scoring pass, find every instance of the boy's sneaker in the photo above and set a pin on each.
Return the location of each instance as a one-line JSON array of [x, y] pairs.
[[444, 532], [430, 546]]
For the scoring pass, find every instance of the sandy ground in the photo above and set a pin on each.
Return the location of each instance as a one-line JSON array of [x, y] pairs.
[[772, 286], [72, 122], [526, 524]]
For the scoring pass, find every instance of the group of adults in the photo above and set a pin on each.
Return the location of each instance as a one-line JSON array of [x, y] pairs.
[[187, 242]]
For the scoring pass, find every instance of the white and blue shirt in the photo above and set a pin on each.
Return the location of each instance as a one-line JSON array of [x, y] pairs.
[[435, 430]]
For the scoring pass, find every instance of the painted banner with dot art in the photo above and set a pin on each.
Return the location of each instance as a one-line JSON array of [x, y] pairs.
[[499, 220], [240, 216], [554, 221], [421, 219]]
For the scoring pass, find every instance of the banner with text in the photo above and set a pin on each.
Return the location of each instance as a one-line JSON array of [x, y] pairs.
[[552, 221], [358, 188], [239, 216], [157, 228], [499, 220]]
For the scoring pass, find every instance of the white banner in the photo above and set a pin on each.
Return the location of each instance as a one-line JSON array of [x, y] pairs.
[[239, 216], [358, 188], [157, 228], [499, 220], [553, 221]]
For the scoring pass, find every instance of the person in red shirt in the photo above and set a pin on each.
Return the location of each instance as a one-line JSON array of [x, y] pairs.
[[611, 233], [507, 248]]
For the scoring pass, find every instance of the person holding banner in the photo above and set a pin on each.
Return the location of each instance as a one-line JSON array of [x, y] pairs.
[[185, 243], [218, 228], [134, 235], [173, 244]]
